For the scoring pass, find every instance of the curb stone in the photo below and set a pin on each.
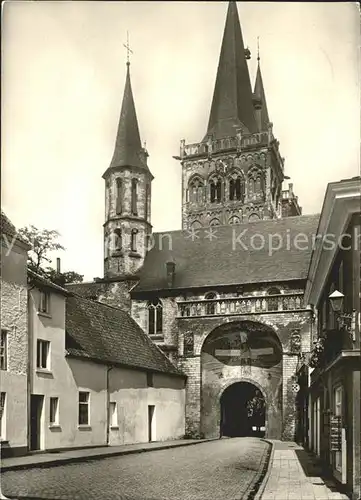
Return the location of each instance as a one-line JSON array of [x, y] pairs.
[[70, 460], [265, 473]]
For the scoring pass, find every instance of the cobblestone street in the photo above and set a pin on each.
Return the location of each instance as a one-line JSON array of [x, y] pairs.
[[222, 469]]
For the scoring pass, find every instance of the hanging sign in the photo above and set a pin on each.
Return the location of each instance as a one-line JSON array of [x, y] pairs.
[[335, 433]]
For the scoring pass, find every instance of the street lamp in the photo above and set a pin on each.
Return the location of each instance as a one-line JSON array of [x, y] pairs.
[[336, 301], [346, 321]]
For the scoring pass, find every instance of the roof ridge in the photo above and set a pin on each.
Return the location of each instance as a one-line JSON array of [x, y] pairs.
[[47, 281]]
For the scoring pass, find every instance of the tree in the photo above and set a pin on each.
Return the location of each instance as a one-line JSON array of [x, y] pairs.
[[42, 242], [256, 410]]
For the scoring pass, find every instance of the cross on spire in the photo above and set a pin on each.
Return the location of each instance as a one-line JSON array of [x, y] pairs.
[[129, 50]]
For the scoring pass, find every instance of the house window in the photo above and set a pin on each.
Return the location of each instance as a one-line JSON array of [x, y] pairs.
[[54, 411], [42, 354], [44, 302], [210, 306], [134, 240], [134, 196], [149, 379], [338, 413], [118, 203], [155, 317], [4, 350], [2, 415], [113, 414], [83, 417]]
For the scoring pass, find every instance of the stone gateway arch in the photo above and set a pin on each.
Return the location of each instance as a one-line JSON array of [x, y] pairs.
[[241, 361]]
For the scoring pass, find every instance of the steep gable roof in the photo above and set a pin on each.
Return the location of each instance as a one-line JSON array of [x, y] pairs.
[[232, 104], [214, 256], [128, 151], [103, 333], [261, 95]]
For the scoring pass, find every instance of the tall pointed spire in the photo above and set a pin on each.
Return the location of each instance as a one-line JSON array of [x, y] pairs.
[[262, 111], [232, 105], [128, 149]]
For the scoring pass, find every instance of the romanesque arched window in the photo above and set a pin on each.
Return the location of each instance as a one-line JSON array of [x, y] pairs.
[[147, 200], [234, 220], [155, 317], [236, 187], [134, 200], [117, 240], [273, 301], [118, 199], [210, 306], [196, 190], [133, 241], [215, 189], [215, 222]]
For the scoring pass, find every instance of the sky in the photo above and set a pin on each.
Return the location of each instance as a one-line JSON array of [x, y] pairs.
[[63, 75]]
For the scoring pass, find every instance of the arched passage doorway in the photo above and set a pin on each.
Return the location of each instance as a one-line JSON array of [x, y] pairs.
[[243, 411]]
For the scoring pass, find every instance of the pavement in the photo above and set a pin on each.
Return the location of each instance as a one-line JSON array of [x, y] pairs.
[[222, 469], [295, 474], [56, 458]]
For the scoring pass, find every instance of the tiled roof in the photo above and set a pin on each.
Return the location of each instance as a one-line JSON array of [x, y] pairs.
[[8, 228], [103, 333], [89, 290], [40, 281], [221, 259]]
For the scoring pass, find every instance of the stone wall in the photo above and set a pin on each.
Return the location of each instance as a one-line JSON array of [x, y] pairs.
[[124, 261], [263, 204], [14, 321], [283, 324]]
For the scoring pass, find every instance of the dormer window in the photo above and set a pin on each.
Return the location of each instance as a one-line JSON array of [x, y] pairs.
[[133, 244], [134, 196]]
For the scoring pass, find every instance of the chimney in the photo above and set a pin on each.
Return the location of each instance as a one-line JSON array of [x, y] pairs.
[[290, 189], [170, 265], [58, 265]]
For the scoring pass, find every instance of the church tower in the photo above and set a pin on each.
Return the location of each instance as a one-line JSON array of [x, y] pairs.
[[235, 173], [127, 196]]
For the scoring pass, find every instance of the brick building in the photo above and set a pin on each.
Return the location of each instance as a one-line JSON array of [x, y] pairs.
[[223, 297]]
